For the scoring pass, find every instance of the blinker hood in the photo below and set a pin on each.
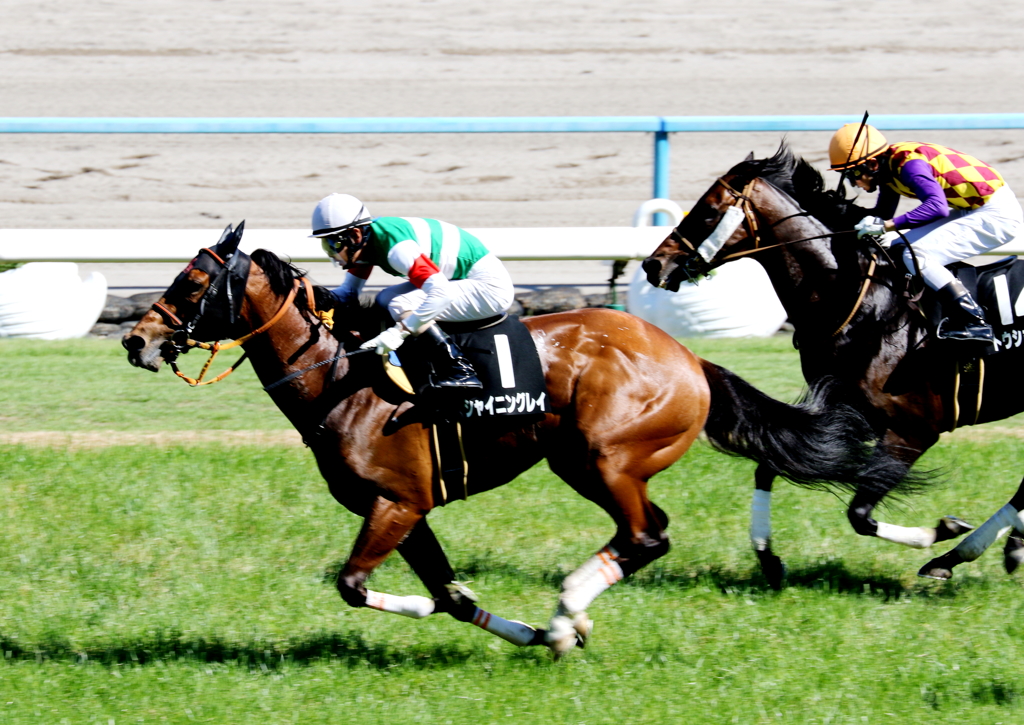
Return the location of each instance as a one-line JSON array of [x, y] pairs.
[[228, 270]]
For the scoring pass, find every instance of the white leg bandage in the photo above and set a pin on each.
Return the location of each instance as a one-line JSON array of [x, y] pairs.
[[917, 537], [411, 606], [578, 590], [584, 585], [981, 538], [761, 520], [517, 633]]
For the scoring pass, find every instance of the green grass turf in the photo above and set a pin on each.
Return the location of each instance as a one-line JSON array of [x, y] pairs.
[[192, 583]]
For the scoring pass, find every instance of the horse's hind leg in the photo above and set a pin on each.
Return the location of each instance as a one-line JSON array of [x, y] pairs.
[[640, 539], [868, 496], [1009, 517]]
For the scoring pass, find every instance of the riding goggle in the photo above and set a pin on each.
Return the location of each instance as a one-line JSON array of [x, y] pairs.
[[333, 244], [858, 171]]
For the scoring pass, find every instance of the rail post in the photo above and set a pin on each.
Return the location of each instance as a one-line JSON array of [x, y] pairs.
[[661, 168]]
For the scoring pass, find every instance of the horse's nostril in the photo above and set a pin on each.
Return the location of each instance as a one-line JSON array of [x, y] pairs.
[[132, 343], [651, 266]]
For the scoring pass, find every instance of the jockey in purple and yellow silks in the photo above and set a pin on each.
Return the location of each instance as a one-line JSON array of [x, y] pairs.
[[966, 209], [452, 277]]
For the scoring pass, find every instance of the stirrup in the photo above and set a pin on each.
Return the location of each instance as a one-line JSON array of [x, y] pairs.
[[459, 379], [967, 333]]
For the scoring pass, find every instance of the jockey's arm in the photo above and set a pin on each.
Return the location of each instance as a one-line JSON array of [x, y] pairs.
[[407, 258], [918, 177], [352, 285]]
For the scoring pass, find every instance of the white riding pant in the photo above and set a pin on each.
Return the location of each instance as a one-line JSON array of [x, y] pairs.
[[485, 292], [964, 233]]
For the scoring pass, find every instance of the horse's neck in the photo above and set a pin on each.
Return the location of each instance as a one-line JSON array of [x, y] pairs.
[[822, 295], [802, 273], [291, 344]]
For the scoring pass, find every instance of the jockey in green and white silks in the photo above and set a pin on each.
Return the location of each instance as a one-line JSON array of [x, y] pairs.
[[452, 277]]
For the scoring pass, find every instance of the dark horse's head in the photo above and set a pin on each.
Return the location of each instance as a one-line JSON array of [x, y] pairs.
[[722, 223], [202, 303]]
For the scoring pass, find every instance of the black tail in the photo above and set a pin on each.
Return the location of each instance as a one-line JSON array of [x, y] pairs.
[[816, 442]]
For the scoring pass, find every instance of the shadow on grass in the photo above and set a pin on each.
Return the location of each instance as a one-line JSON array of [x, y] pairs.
[[480, 567], [349, 649], [828, 576]]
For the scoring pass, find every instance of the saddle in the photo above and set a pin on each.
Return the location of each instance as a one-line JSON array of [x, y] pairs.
[[999, 288], [506, 361], [505, 358]]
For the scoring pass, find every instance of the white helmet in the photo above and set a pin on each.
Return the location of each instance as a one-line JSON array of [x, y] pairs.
[[338, 212]]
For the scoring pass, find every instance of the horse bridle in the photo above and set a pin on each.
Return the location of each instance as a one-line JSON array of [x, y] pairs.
[[229, 278], [748, 209]]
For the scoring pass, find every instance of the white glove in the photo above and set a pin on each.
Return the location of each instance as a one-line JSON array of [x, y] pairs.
[[385, 342], [870, 226]]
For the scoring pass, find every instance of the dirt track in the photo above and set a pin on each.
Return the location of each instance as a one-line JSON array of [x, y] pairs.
[[461, 58]]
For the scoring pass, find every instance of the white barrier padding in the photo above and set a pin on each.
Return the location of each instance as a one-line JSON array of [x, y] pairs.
[[49, 301], [181, 245], [738, 301]]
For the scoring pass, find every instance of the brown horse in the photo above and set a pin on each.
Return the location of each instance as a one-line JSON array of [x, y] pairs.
[[626, 401], [848, 304]]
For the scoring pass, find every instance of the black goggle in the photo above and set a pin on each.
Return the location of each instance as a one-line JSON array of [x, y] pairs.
[[858, 171], [334, 243]]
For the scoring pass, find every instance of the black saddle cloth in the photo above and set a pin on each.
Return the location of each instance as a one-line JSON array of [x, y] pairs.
[[999, 288], [506, 361]]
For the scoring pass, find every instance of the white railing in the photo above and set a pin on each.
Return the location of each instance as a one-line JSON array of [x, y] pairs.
[[181, 245]]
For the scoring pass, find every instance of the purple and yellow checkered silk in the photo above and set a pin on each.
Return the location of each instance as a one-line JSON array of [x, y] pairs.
[[966, 182]]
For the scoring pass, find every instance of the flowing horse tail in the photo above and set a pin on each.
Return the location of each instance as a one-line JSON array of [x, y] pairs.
[[817, 442]]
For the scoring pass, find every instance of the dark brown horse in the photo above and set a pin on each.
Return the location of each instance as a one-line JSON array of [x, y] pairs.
[[626, 401], [847, 302]]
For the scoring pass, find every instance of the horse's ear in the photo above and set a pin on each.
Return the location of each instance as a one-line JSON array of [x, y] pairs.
[[229, 243], [750, 157], [224, 235]]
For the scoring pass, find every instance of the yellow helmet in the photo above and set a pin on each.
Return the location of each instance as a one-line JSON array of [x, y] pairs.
[[841, 151]]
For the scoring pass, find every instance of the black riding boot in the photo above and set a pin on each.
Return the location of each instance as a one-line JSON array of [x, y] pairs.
[[964, 319], [451, 370]]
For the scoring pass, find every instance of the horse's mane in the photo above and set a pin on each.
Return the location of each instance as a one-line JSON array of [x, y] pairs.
[[281, 276], [795, 176]]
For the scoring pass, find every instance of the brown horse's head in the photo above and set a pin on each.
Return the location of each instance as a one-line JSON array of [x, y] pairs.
[[202, 303], [724, 224], [716, 227]]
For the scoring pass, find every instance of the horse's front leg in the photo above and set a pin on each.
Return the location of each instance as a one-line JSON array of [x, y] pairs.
[[384, 527], [761, 527], [392, 524], [1010, 516], [427, 559]]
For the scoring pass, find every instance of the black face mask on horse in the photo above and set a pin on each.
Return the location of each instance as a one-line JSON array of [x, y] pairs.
[[217, 307]]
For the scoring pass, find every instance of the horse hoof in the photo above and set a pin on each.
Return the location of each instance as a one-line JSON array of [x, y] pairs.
[[1013, 553], [772, 568], [566, 634], [584, 627], [950, 527], [937, 569]]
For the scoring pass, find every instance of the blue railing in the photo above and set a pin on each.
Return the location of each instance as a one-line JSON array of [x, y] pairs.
[[660, 126]]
